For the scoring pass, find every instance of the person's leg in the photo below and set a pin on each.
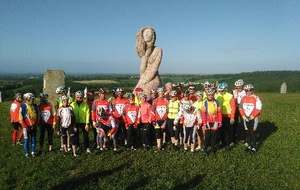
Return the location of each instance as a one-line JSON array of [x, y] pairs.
[[33, 139], [25, 133], [42, 135], [50, 136]]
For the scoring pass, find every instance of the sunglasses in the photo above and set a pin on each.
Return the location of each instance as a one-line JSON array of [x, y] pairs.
[[248, 90], [79, 97]]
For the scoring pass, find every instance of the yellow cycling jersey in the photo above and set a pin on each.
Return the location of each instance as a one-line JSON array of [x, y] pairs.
[[173, 108]]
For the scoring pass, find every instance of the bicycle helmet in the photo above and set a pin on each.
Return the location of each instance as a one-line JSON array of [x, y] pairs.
[[119, 90], [239, 83], [160, 90], [168, 84], [198, 93], [44, 95], [173, 93], [248, 87], [60, 90], [28, 96], [130, 96], [17, 96], [187, 106], [64, 97], [223, 86], [78, 93], [102, 91], [210, 91], [206, 84]]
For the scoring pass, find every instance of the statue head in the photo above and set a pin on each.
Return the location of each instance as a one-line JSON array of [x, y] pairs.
[[145, 38]]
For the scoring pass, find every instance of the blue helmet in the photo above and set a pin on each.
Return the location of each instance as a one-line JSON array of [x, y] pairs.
[[223, 86]]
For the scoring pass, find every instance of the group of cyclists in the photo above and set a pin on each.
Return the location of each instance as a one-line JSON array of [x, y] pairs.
[[202, 120]]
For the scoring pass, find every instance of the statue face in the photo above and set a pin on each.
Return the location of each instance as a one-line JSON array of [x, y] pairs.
[[148, 35]]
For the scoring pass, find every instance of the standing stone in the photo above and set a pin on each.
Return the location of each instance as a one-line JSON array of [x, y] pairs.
[[0, 96], [283, 88], [52, 80]]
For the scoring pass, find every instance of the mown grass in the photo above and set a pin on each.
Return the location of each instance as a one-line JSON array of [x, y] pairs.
[[276, 165]]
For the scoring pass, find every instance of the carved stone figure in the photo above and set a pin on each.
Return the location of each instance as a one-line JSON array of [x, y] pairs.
[[150, 56]]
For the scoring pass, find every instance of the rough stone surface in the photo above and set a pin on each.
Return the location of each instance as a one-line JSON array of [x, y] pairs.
[[151, 57], [52, 80]]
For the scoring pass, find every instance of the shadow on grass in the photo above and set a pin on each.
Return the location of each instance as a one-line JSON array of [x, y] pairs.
[[94, 177], [265, 129], [190, 184], [139, 184]]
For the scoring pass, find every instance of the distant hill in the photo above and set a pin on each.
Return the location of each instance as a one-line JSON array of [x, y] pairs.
[[263, 81]]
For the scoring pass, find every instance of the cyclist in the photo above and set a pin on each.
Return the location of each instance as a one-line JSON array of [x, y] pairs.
[[250, 109], [47, 120], [29, 118], [14, 119], [82, 117]]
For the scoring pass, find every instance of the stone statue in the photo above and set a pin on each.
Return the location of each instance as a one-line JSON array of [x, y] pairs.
[[150, 56]]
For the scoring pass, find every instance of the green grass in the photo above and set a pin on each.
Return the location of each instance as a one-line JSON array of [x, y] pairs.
[[276, 165]]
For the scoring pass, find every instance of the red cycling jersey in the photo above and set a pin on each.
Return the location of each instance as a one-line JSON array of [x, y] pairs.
[[131, 115], [250, 106], [118, 107], [47, 113], [160, 106], [14, 111]]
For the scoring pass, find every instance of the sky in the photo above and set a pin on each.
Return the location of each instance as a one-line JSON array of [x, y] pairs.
[[196, 36]]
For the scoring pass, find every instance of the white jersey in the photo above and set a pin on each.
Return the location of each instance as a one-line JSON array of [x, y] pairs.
[[238, 95], [190, 119]]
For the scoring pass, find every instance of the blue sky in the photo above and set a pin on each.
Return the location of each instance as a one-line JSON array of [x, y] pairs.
[[197, 37]]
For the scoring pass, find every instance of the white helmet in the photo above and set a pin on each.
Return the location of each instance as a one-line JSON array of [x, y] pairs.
[[187, 106], [78, 93], [17, 96], [198, 93], [28, 96], [239, 82], [248, 87], [160, 90], [206, 84], [64, 97], [60, 90], [173, 93], [143, 95], [119, 90], [168, 84]]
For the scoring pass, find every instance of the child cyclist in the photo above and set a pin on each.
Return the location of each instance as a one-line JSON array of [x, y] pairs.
[[65, 120], [191, 121]]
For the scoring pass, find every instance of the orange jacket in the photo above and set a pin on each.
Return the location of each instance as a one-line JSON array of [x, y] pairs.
[[14, 111]]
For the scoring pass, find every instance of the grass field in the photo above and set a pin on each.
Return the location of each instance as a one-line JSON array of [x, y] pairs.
[[276, 165]]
